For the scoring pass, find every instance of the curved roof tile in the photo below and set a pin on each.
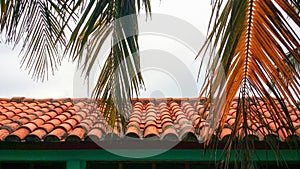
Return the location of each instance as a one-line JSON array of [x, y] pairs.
[[172, 119]]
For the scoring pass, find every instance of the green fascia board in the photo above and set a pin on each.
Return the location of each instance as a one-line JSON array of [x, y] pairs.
[[287, 155], [75, 164]]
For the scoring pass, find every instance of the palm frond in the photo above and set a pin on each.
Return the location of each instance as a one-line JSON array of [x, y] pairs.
[[38, 26], [248, 44], [120, 77], [41, 27], [293, 60]]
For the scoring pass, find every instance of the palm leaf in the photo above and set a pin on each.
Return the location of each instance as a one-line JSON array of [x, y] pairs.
[[42, 26], [120, 76], [249, 39], [38, 26]]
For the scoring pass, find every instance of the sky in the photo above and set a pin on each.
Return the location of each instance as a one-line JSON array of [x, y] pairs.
[[168, 48]]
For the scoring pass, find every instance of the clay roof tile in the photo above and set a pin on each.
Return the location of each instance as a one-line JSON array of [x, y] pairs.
[[74, 120]]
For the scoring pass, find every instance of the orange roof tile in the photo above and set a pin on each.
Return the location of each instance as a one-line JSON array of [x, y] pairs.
[[75, 120]]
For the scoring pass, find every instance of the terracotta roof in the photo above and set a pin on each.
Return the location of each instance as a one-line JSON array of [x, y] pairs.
[[74, 120]]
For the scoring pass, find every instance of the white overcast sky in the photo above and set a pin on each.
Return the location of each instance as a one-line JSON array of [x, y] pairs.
[[165, 80]]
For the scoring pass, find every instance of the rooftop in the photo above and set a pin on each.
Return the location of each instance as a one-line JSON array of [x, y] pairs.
[[170, 119]]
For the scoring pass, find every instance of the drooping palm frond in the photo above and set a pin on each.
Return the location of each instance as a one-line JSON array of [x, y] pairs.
[[296, 5], [38, 26], [293, 60], [41, 26], [120, 76], [248, 44]]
